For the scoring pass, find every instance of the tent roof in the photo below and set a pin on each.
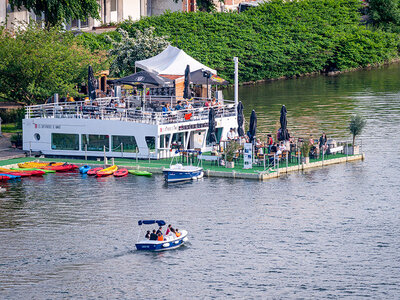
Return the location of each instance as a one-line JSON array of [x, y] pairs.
[[172, 61]]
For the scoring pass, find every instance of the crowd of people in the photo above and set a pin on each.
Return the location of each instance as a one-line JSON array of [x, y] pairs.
[[159, 236], [185, 104]]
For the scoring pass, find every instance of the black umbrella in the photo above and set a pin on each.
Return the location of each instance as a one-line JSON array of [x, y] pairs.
[[253, 126], [283, 132], [92, 84], [240, 119], [211, 138], [144, 77], [186, 90], [197, 77]]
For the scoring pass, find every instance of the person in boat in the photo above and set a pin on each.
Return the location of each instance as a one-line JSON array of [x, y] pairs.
[[147, 236], [169, 229], [166, 108], [153, 236], [159, 231], [160, 237], [177, 233]]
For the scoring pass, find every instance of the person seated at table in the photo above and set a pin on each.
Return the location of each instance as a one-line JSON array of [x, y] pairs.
[[147, 236], [274, 148], [207, 103], [282, 147], [230, 135], [153, 236], [179, 105], [259, 146]]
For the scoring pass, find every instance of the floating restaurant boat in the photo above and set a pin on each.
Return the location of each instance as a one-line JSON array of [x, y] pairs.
[[170, 241], [179, 172]]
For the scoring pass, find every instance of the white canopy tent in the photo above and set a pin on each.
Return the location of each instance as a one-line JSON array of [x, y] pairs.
[[172, 61]]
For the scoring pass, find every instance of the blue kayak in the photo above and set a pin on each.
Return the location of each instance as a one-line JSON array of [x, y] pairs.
[[10, 176], [84, 169]]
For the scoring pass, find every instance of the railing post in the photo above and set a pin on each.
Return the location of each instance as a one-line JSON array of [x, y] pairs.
[[137, 150], [85, 151], [122, 149]]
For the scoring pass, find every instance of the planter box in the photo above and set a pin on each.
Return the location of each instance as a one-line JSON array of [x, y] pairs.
[[230, 164], [351, 150], [305, 160]]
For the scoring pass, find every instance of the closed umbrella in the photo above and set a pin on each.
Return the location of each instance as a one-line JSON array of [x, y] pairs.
[[253, 126], [211, 138], [92, 84], [186, 90], [283, 132], [144, 78], [240, 119]]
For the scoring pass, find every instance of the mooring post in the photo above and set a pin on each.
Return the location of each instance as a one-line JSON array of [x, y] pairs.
[[122, 149], [287, 161], [137, 150]]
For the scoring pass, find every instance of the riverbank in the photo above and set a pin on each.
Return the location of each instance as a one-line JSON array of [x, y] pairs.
[[258, 172]]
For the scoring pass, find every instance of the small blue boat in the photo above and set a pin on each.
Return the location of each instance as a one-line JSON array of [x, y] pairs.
[[179, 172], [10, 176], [84, 169], [170, 241]]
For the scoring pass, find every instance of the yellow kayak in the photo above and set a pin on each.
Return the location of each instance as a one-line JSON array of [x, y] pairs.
[[108, 171], [33, 164]]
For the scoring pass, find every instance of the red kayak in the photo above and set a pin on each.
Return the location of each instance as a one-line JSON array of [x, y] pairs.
[[94, 171], [121, 172], [4, 178], [62, 168]]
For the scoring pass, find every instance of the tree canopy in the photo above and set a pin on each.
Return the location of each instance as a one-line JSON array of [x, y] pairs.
[[56, 11], [36, 63]]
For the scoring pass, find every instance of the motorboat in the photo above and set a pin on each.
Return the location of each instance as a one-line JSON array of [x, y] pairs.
[[170, 241], [179, 172]]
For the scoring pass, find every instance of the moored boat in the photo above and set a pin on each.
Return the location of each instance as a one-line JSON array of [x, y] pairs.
[[10, 176], [121, 172], [22, 173], [33, 164], [94, 171], [62, 168], [4, 178], [140, 173], [32, 169], [84, 169], [178, 172], [107, 171], [168, 242]]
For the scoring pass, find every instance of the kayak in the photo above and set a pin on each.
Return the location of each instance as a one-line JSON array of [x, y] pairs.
[[84, 169], [107, 171], [4, 178], [32, 169], [62, 168], [10, 176], [121, 172], [22, 173], [33, 164], [140, 173], [92, 172]]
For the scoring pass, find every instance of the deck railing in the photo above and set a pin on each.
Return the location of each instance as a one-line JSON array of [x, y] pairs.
[[112, 108]]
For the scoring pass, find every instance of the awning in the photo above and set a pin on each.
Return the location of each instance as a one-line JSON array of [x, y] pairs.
[[197, 77], [172, 61], [149, 222], [146, 78]]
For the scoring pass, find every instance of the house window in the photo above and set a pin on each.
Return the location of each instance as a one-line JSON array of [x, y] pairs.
[[113, 5], [95, 142], [128, 143], [64, 141]]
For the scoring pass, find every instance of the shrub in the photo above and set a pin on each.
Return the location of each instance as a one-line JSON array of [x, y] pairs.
[[357, 124]]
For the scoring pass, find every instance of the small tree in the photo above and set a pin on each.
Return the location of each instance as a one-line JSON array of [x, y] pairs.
[[305, 148], [131, 49], [357, 124], [231, 148]]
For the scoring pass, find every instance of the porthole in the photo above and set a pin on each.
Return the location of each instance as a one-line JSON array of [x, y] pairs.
[[36, 136]]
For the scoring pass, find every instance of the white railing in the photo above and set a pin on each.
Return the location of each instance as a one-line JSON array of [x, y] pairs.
[[112, 108]]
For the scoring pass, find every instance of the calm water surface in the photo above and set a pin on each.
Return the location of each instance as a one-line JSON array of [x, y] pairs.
[[326, 233]]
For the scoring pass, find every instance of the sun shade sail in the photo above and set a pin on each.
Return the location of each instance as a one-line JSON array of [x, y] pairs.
[[149, 222]]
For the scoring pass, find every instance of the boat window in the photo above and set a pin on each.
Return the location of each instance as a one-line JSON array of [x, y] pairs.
[[64, 141], [123, 143], [95, 142], [164, 140], [151, 142], [178, 140]]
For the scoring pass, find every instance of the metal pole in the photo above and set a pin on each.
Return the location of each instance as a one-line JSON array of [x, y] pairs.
[[122, 149], [104, 150], [347, 150], [30, 148], [277, 158], [137, 154], [236, 61], [287, 162], [323, 155], [85, 151]]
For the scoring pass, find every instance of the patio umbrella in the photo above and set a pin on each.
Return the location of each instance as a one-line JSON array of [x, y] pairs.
[[253, 126], [197, 77], [186, 90], [240, 119], [92, 84], [211, 138], [144, 78], [284, 134]]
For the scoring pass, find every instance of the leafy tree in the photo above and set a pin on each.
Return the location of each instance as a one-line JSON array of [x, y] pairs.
[[384, 12], [357, 124], [36, 63], [131, 49], [56, 12]]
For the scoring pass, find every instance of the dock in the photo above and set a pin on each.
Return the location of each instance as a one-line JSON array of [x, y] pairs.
[[156, 166]]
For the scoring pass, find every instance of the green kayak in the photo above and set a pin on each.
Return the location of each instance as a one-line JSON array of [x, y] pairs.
[[33, 169], [140, 173]]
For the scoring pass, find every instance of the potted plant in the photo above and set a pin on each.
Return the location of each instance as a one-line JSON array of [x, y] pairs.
[[231, 149], [305, 150], [357, 124]]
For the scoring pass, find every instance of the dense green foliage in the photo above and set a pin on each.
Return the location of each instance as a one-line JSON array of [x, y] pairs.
[[12, 116], [384, 14], [277, 38], [36, 63], [56, 12]]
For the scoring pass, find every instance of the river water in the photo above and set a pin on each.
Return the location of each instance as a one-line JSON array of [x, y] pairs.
[[324, 233]]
